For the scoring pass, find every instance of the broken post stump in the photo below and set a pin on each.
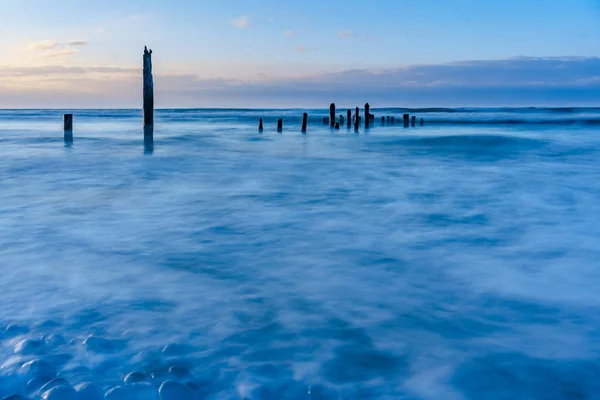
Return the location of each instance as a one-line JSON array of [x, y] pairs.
[[406, 119], [332, 114], [349, 118], [367, 115], [414, 120], [68, 122], [279, 125], [304, 120], [422, 122], [260, 125], [148, 88], [341, 119], [382, 120], [356, 119]]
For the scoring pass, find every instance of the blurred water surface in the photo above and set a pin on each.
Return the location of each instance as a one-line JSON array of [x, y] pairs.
[[458, 260]]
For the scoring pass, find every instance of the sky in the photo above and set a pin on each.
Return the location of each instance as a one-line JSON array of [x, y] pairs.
[[285, 53]]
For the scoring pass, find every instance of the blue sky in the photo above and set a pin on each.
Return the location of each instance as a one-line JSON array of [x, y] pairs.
[[64, 53]]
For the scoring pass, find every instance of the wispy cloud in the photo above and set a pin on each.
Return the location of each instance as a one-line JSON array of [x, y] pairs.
[[301, 49], [43, 45], [60, 53], [77, 42], [288, 33], [346, 34], [241, 22]]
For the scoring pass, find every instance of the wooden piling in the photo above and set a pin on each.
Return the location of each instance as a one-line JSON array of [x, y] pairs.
[[414, 120], [337, 125], [332, 114], [341, 119], [279, 125], [367, 115], [68, 122], [349, 118], [148, 88], [422, 122], [392, 120], [406, 118], [304, 120], [356, 119], [382, 120], [260, 125]]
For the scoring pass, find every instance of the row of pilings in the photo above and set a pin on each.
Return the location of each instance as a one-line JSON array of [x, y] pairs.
[[356, 120]]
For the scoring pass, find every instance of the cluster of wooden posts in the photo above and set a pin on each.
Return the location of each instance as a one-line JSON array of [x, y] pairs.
[[350, 120], [148, 110]]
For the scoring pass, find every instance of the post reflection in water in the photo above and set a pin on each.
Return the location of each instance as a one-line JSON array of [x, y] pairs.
[[68, 138], [149, 139]]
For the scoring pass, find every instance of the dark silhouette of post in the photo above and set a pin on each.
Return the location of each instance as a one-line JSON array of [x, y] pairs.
[[304, 120], [148, 88], [406, 118], [349, 118], [422, 122], [341, 119], [356, 119], [392, 120], [337, 125], [332, 114], [279, 125], [260, 125], [367, 115], [68, 122], [414, 120], [382, 120]]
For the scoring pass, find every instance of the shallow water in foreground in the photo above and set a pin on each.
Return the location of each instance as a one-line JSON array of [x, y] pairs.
[[436, 262]]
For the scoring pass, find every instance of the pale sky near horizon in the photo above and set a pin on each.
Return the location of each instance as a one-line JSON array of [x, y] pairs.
[[66, 53]]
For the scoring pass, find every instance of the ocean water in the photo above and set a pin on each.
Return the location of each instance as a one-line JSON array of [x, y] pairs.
[[457, 260]]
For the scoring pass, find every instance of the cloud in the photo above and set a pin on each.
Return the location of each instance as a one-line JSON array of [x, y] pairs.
[[513, 81], [288, 33], [241, 22], [43, 45], [301, 49], [77, 42], [346, 34], [60, 53]]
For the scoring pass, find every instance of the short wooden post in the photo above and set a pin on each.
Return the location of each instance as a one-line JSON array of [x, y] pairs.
[[392, 120], [279, 125], [367, 115], [406, 119], [260, 125], [422, 122], [332, 114], [304, 120], [341, 119], [337, 125], [382, 120], [325, 120], [148, 88], [349, 118], [414, 120], [68, 122], [356, 119]]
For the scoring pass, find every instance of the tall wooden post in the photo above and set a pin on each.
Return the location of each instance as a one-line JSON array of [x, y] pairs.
[[349, 118], [148, 88], [332, 115], [279, 125], [367, 116], [260, 125], [406, 119], [304, 120], [356, 119]]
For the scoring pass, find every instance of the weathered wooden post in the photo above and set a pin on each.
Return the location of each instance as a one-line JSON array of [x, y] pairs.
[[406, 119], [414, 120], [279, 125], [332, 114], [422, 122], [392, 120], [382, 120], [367, 115], [341, 119], [304, 120], [356, 119], [260, 125], [148, 88], [68, 122], [349, 118]]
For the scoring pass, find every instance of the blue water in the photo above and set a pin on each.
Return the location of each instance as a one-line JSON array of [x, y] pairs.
[[458, 260]]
